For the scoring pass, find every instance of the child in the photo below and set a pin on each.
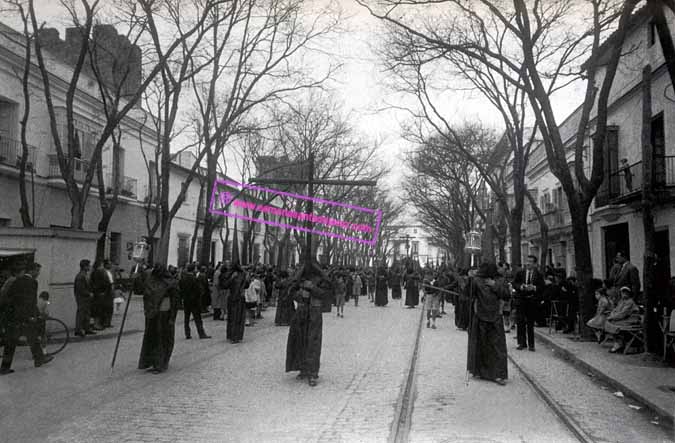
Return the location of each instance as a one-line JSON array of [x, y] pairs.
[[43, 305], [118, 298]]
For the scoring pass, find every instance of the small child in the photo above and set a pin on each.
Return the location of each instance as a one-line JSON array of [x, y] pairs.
[[43, 304], [118, 299]]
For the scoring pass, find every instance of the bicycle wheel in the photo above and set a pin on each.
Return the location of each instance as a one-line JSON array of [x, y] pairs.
[[55, 336]]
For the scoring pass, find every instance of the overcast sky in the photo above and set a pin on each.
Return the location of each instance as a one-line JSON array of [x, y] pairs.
[[361, 85]]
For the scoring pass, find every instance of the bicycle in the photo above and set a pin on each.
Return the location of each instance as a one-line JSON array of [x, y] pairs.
[[53, 335]]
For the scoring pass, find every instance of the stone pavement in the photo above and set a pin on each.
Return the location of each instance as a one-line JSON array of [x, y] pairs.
[[216, 391], [586, 404], [447, 409], [638, 375]]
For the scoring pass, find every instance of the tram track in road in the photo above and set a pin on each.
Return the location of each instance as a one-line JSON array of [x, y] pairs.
[[400, 427], [570, 423]]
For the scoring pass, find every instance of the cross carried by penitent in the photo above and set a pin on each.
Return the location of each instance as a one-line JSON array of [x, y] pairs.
[[310, 181]]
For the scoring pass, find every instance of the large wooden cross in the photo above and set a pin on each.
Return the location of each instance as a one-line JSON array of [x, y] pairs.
[[310, 181]]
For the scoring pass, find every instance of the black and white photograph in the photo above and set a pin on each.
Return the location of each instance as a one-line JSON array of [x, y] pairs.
[[337, 221]]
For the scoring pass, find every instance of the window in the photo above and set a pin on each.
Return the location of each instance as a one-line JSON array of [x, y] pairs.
[[115, 247], [4, 222], [415, 247], [198, 250]]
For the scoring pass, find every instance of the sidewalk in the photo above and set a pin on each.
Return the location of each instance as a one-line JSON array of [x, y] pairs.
[[637, 375]]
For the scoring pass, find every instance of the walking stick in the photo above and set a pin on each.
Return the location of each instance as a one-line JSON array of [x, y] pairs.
[[124, 318]]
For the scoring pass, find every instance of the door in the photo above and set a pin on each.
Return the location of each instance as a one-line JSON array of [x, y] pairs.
[[616, 240]]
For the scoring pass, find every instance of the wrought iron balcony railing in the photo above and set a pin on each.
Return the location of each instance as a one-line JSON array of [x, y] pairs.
[[80, 168], [128, 187], [11, 151]]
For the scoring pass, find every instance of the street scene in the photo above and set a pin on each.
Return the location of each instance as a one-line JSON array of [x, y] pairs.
[[337, 221]]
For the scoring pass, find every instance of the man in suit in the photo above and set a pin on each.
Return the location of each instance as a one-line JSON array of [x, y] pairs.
[[190, 293], [528, 284], [83, 298], [22, 319], [204, 291], [626, 274]]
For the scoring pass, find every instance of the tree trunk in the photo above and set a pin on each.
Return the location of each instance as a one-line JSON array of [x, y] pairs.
[[195, 232], [23, 210], [103, 225], [162, 256], [583, 264], [652, 331], [209, 222]]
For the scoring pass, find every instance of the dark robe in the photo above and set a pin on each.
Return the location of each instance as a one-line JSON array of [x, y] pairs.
[[412, 290], [303, 349], [486, 356], [285, 308], [395, 284], [236, 305], [381, 289], [159, 334], [364, 284], [462, 308]]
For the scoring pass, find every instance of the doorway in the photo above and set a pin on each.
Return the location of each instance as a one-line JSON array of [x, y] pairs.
[[616, 239]]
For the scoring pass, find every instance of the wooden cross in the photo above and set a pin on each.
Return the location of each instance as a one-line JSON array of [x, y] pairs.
[[310, 181]]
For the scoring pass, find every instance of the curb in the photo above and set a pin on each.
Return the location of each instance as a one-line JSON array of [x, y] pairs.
[[612, 382], [566, 418]]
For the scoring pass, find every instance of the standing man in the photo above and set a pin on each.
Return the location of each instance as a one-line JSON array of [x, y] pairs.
[[189, 290], [204, 295], [356, 287], [22, 319], [108, 296], [528, 284], [626, 275], [83, 298]]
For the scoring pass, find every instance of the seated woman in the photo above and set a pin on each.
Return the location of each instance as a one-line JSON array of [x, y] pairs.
[[604, 308], [626, 313]]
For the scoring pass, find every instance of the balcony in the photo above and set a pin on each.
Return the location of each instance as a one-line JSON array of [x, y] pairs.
[[625, 184], [128, 187], [11, 151], [80, 168]]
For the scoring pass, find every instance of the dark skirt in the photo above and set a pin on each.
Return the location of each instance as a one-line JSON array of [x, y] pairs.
[[158, 341], [236, 318], [462, 312], [381, 296], [412, 295], [486, 357], [303, 350], [396, 292], [285, 310]]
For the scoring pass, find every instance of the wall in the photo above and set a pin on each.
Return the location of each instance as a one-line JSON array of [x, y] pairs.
[[59, 252]]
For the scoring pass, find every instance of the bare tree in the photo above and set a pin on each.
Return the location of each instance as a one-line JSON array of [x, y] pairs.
[[548, 42], [256, 60]]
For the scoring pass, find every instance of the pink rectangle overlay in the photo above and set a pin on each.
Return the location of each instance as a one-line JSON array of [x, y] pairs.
[[222, 195]]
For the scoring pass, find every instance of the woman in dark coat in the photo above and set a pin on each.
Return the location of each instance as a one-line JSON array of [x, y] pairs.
[[285, 308], [236, 303], [303, 350], [160, 305], [412, 290], [486, 356], [381, 288]]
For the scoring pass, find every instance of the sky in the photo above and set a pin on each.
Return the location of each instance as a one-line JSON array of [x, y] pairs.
[[361, 85]]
